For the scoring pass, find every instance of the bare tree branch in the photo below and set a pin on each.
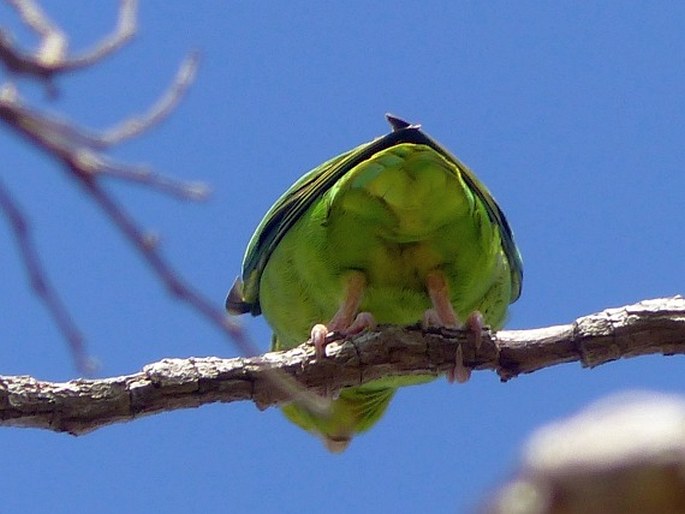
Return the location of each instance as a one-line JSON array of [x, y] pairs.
[[166, 104], [81, 149], [79, 406], [123, 33], [77, 149], [41, 284], [51, 57], [81, 152], [53, 45]]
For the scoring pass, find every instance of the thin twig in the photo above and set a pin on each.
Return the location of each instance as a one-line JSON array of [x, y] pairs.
[[123, 33], [41, 285], [186, 293], [170, 277], [148, 177], [86, 166], [34, 17], [163, 107], [52, 133], [20, 62], [53, 42]]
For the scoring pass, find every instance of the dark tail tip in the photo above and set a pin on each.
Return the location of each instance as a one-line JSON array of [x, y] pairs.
[[398, 123], [235, 303]]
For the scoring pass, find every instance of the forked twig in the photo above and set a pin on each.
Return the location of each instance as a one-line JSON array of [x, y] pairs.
[[51, 57], [84, 147], [81, 151]]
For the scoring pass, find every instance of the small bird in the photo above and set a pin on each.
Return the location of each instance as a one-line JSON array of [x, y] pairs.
[[394, 231]]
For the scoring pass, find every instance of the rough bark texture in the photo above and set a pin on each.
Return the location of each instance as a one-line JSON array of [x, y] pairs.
[[79, 406]]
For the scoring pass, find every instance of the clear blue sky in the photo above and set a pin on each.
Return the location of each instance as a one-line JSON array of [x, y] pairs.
[[572, 114]]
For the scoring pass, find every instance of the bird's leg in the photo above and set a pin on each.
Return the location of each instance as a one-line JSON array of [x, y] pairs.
[[346, 320], [475, 324], [442, 314]]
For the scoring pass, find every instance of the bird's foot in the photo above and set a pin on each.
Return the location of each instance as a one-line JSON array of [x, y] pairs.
[[431, 319], [320, 333], [318, 337], [475, 324]]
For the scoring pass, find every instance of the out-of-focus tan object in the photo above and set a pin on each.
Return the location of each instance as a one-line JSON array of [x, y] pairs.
[[624, 454]]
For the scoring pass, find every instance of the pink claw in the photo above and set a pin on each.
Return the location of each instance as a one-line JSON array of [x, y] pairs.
[[363, 321], [320, 333], [459, 373], [346, 320], [318, 337]]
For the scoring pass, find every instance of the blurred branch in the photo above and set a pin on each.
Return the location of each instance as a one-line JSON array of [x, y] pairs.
[[79, 406], [81, 150], [39, 282], [82, 154], [52, 57], [165, 105]]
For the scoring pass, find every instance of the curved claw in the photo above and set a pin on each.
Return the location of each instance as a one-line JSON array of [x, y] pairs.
[[363, 321], [346, 320], [320, 332], [318, 337], [460, 372]]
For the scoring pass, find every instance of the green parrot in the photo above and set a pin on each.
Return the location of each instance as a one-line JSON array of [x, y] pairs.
[[394, 231]]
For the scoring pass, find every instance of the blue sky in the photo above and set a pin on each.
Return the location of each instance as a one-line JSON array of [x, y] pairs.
[[572, 114]]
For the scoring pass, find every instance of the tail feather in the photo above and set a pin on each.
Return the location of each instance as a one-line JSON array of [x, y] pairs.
[[356, 410]]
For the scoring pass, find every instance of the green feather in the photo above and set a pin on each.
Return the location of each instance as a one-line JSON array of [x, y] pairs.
[[394, 209]]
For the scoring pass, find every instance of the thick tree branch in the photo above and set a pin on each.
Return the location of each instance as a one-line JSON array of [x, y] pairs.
[[79, 406]]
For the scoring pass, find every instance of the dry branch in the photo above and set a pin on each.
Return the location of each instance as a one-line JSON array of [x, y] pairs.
[[82, 153], [40, 283], [79, 406], [52, 57]]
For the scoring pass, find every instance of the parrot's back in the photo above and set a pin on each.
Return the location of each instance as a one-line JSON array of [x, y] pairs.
[[392, 211]]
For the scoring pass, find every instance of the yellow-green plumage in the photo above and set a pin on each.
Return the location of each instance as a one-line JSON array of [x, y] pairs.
[[394, 210]]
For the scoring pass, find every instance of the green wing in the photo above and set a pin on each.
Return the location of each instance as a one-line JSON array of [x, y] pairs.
[[244, 295]]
